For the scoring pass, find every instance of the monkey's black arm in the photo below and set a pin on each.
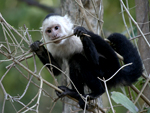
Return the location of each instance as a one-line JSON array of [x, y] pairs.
[[100, 47], [45, 56], [88, 46]]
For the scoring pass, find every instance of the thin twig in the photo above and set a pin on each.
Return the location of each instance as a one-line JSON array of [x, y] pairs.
[[135, 23], [110, 79], [142, 95], [147, 81], [40, 91], [108, 95], [84, 15], [62, 39], [116, 72]]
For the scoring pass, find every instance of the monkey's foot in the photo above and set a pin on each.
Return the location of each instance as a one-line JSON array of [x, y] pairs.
[[66, 91]]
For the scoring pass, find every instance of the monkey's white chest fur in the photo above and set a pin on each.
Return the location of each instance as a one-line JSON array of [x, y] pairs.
[[67, 48]]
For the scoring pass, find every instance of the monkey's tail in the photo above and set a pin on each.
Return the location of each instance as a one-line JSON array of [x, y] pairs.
[[125, 48]]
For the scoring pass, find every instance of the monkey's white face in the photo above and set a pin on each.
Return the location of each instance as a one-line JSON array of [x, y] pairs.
[[57, 27], [54, 32]]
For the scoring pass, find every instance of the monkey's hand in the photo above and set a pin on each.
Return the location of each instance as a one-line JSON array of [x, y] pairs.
[[80, 31], [35, 46]]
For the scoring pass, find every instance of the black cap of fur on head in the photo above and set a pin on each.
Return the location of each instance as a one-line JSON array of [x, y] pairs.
[[51, 14]]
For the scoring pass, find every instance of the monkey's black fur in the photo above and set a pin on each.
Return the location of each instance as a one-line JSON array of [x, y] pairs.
[[98, 59], [44, 56], [51, 14]]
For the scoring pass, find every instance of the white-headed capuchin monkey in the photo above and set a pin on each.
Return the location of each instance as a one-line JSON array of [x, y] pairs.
[[88, 57]]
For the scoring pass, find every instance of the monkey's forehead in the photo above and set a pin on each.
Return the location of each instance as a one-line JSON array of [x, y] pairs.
[[63, 21], [50, 21], [50, 15]]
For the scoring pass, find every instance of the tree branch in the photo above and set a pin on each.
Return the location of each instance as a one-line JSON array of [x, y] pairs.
[[41, 6]]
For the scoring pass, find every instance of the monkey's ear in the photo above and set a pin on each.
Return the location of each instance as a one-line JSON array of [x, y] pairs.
[[67, 18], [68, 21]]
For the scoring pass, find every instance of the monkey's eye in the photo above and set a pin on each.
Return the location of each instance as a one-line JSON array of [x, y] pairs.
[[56, 27], [49, 31]]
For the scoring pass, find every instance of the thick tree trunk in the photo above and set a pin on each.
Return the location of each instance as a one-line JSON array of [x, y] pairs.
[[142, 17], [72, 8]]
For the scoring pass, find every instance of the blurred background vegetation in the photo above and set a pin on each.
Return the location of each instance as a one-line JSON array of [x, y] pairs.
[[17, 13]]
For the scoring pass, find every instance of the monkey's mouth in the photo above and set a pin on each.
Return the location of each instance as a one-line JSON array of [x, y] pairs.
[[57, 40]]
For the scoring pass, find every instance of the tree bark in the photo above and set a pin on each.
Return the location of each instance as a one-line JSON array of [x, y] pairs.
[[71, 7], [142, 18]]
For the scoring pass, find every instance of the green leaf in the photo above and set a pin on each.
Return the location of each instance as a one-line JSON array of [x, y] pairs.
[[123, 100], [148, 110]]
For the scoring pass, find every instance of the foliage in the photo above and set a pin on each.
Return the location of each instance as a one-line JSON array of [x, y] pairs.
[[119, 98]]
